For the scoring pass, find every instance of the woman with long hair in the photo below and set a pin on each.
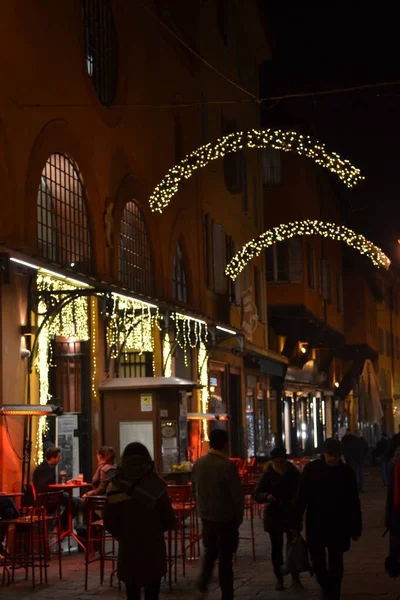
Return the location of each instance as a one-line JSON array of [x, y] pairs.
[[106, 468], [137, 513]]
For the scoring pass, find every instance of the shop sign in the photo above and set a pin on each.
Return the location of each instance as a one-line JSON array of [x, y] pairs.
[[146, 402]]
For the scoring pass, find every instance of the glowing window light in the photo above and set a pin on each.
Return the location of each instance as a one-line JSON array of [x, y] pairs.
[[315, 422], [308, 227], [288, 141]]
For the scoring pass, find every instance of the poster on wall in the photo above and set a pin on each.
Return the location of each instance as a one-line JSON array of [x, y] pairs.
[[146, 402], [69, 444]]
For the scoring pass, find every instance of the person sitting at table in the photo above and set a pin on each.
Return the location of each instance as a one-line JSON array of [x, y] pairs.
[[105, 471], [45, 475]]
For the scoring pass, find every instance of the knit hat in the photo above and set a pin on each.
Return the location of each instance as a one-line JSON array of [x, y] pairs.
[[332, 447]]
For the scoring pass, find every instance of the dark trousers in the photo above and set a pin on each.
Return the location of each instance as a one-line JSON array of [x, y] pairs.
[[277, 544], [220, 542], [329, 574], [151, 591]]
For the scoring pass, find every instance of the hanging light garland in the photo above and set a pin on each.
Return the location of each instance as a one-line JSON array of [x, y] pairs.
[[298, 228], [131, 325], [70, 321], [189, 333], [202, 367], [287, 141], [167, 356]]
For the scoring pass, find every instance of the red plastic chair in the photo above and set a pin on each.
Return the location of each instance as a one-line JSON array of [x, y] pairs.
[[97, 537], [248, 491]]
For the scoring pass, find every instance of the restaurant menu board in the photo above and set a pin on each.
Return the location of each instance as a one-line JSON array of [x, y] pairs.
[[69, 444]]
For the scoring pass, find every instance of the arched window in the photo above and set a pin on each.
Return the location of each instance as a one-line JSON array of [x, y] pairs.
[[135, 264], [101, 48], [62, 224], [179, 281]]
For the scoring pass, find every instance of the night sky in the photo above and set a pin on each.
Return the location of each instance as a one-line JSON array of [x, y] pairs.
[[327, 45]]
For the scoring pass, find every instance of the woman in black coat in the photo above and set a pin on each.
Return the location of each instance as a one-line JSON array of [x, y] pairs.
[[277, 488], [137, 513]]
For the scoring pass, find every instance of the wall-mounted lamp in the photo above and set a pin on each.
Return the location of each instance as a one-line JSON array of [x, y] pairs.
[[336, 384], [303, 348]]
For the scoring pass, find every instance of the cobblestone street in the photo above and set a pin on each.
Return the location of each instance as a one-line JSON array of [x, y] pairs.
[[364, 571]]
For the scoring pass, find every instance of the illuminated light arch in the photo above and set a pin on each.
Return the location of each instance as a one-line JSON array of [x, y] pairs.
[[288, 141], [288, 230]]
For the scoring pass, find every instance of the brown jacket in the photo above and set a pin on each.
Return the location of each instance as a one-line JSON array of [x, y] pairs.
[[102, 477], [137, 513]]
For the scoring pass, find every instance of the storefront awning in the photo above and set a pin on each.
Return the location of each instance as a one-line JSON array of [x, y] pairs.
[[131, 383]]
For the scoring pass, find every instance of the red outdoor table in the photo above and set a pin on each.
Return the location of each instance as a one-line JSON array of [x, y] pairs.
[[69, 487]]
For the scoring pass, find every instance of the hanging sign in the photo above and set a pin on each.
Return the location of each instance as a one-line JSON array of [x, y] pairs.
[[146, 402]]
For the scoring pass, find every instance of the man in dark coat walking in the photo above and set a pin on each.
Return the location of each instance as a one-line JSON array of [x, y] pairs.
[[328, 491], [220, 503], [277, 488]]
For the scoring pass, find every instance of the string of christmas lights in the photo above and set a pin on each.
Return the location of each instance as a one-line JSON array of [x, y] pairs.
[[136, 318], [202, 366], [70, 321], [189, 333], [287, 141], [298, 228]]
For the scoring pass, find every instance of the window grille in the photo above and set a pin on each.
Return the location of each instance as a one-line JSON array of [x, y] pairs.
[[62, 225], [135, 264], [134, 364], [179, 281], [101, 48]]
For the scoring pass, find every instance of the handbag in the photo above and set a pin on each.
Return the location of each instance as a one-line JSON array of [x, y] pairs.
[[297, 560]]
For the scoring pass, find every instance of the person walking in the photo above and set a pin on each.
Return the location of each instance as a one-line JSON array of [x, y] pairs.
[[220, 503], [328, 492], [349, 449], [394, 444], [137, 513], [361, 453], [380, 454], [277, 488]]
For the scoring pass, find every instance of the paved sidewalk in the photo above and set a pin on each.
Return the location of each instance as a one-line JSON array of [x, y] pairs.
[[364, 572]]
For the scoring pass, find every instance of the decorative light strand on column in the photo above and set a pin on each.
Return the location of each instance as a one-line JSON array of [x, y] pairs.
[[308, 227], [287, 141], [189, 332], [202, 367]]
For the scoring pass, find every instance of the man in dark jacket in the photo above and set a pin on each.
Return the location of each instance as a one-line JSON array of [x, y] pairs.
[[380, 454], [220, 503], [277, 487], [362, 450], [328, 491]]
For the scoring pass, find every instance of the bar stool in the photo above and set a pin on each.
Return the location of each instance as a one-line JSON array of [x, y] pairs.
[[51, 503], [184, 507], [98, 536], [30, 549]]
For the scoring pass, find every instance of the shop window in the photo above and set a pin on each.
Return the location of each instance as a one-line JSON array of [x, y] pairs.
[[135, 263], [179, 280], [311, 267], [136, 364], [381, 341], [271, 166], [326, 281], [63, 230], [101, 48]]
